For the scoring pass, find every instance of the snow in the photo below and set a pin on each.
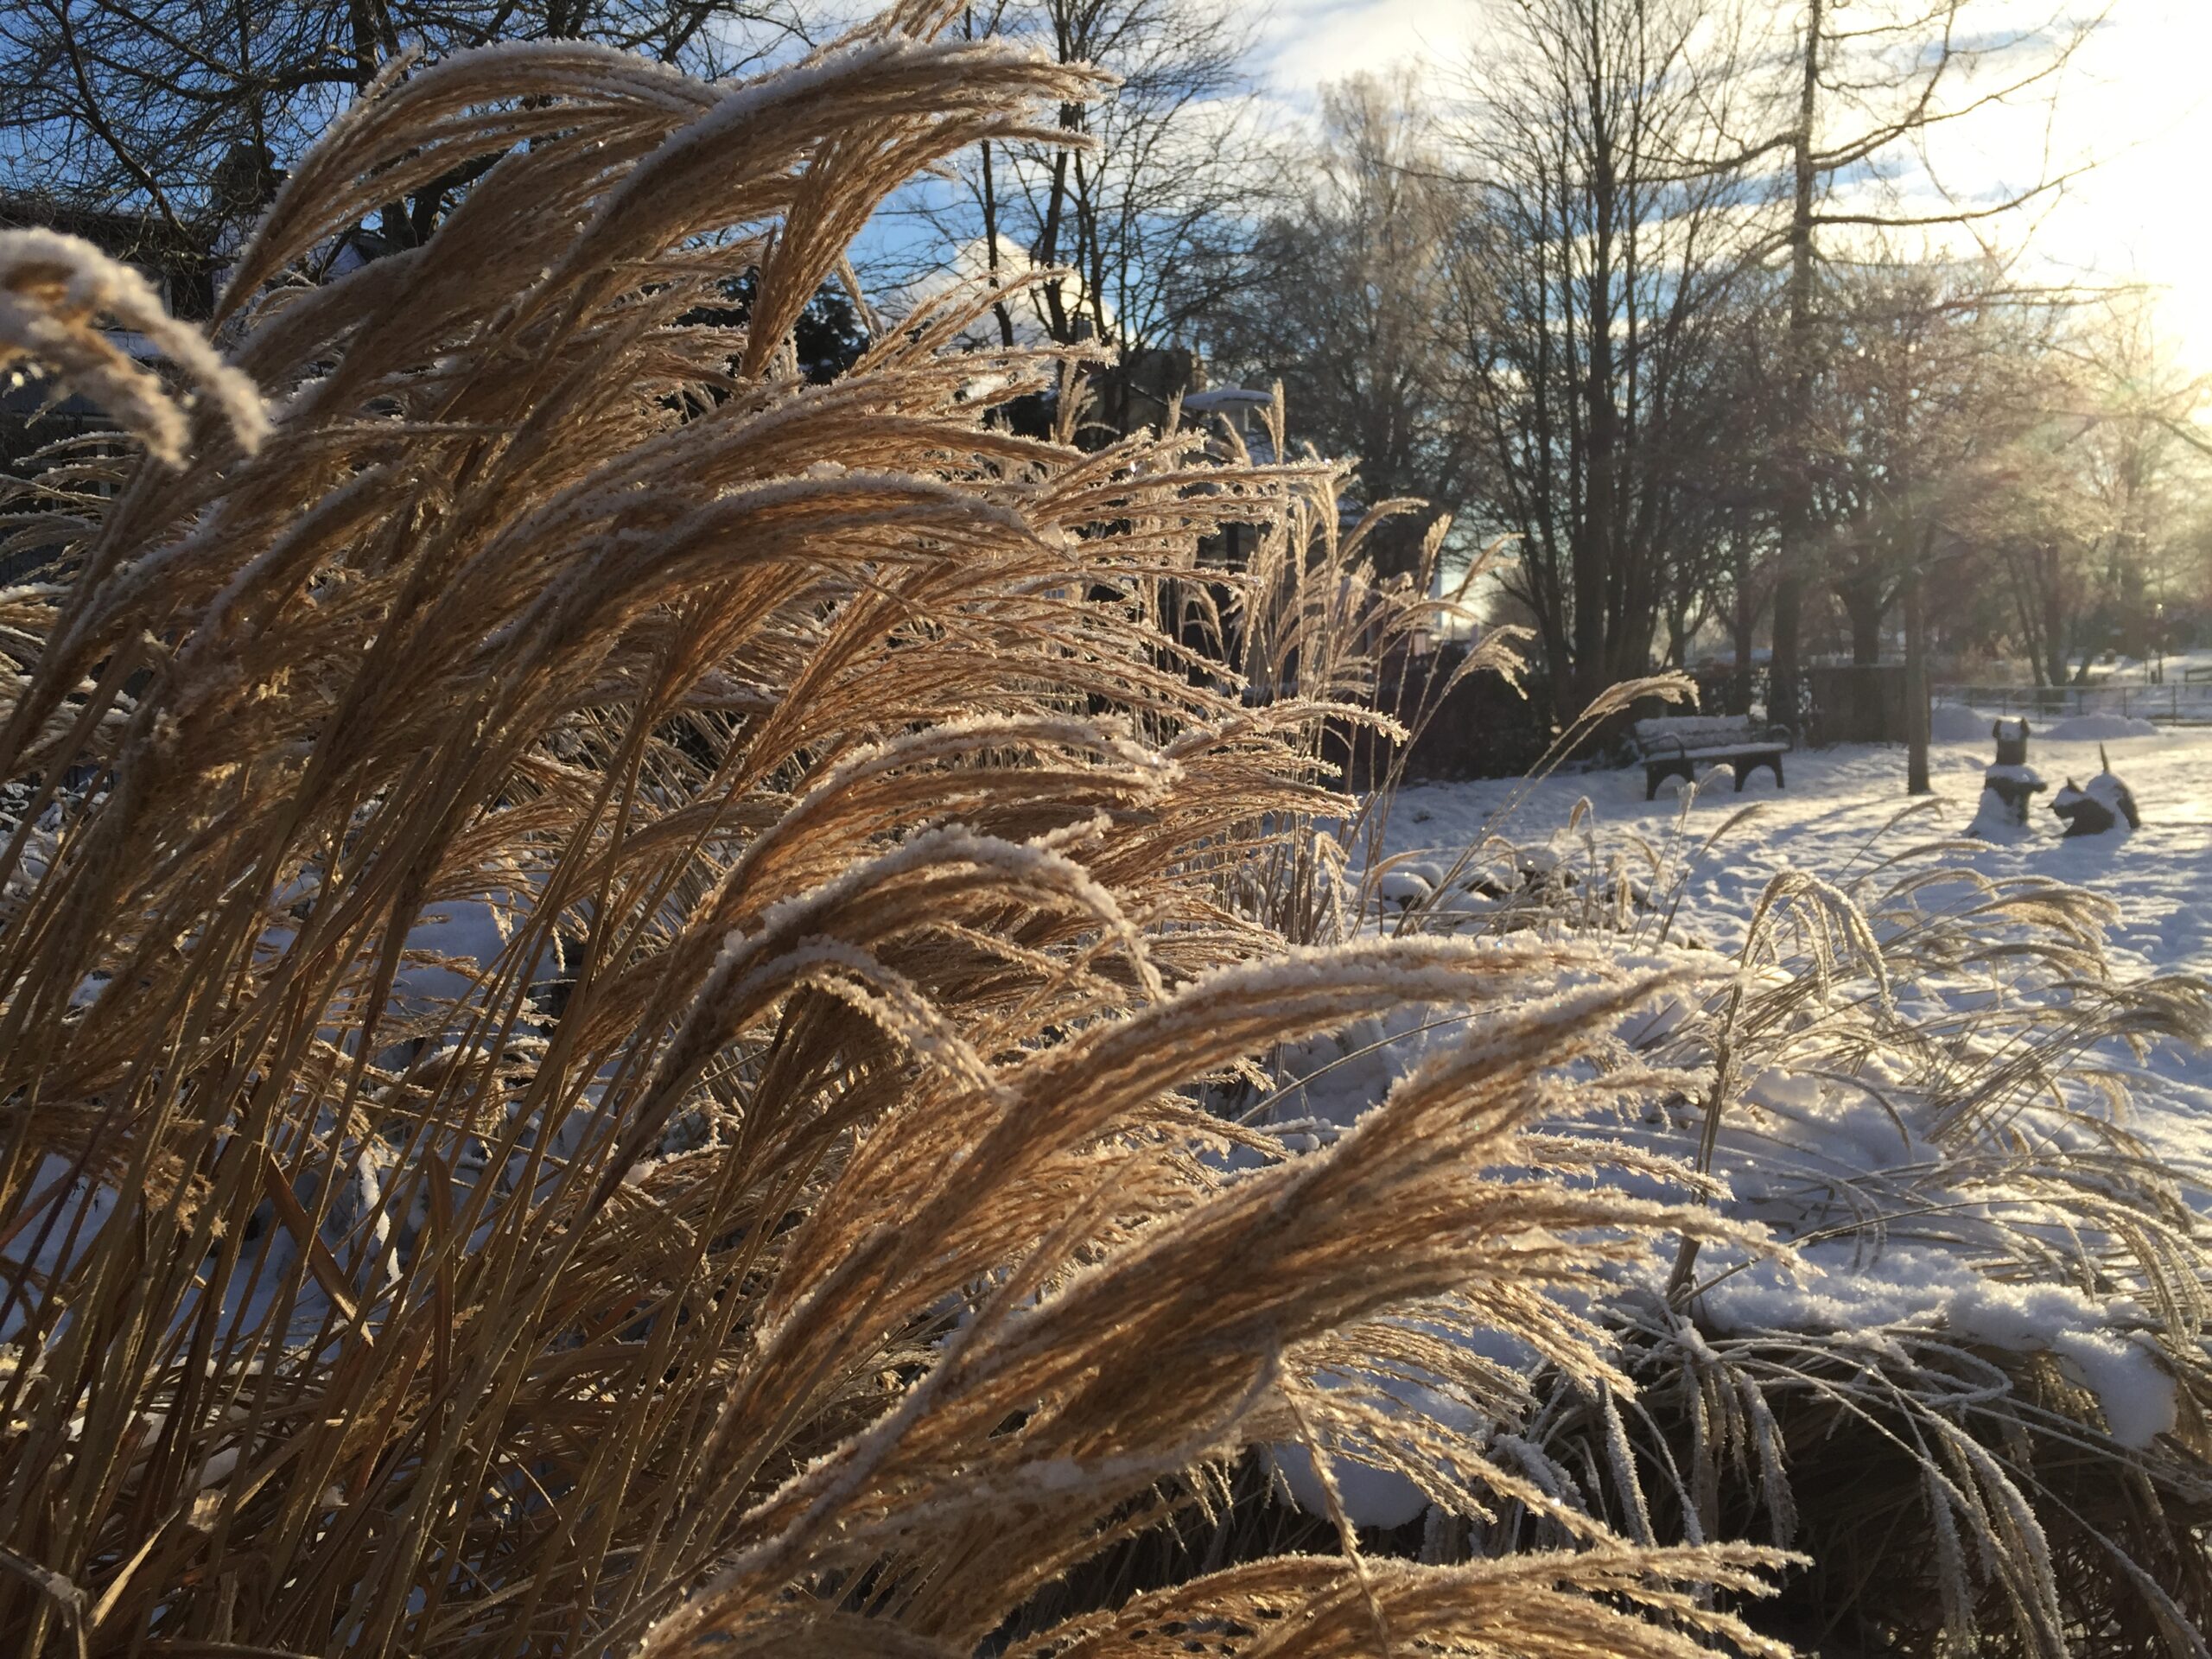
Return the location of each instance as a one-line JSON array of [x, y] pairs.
[[1403, 887], [1371, 1496], [2106, 790], [1835, 818], [1995, 821], [1834, 1288], [2159, 671], [1838, 818], [2096, 728], [1667, 734], [1951, 723], [455, 944], [1230, 400], [1795, 1142], [1373, 1493], [1893, 1232]]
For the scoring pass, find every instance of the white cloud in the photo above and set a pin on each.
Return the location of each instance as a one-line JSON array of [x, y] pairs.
[[1309, 41], [2136, 98]]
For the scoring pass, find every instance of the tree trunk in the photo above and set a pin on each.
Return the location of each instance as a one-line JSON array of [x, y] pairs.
[[1797, 514], [1915, 683], [2054, 618], [1866, 604], [991, 248], [1594, 551], [1740, 557]]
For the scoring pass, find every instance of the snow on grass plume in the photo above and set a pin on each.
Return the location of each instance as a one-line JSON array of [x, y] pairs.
[[737, 874], [1914, 1092]]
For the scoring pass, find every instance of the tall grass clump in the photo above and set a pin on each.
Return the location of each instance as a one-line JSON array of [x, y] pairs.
[[1967, 1373], [608, 961]]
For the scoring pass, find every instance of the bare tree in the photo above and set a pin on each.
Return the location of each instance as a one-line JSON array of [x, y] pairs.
[[2141, 473], [1931, 366], [1349, 289], [1154, 211], [1855, 101], [1939, 374], [1589, 316], [1722, 440], [182, 111], [2095, 539]]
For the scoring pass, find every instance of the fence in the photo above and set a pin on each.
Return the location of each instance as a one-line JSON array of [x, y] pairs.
[[2176, 702]]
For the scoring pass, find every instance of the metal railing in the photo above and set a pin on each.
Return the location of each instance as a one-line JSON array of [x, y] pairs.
[[2176, 702]]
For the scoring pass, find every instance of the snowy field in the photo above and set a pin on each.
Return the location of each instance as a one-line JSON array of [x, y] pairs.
[[2131, 670], [1906, 1228], [1840, 813]]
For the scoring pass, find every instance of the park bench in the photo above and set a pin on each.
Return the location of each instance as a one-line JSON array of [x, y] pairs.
[[1677, 745]]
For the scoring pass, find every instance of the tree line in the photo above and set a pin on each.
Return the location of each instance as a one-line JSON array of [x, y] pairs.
[[1658, 293], [1666, 295]]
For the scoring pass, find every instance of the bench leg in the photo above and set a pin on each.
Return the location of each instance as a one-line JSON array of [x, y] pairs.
[[1776, 764], [1651, 776]]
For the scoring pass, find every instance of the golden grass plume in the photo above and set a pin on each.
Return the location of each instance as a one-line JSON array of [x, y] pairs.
[[604, 955]]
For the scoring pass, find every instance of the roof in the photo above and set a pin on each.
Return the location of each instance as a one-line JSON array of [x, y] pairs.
[[180, 263]]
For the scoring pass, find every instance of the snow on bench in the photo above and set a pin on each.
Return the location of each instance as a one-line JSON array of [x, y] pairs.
[[1674, 746]]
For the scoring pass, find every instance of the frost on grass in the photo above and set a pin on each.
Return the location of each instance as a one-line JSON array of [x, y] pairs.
[[54, 289], [1930, 1093], [619, 1059]]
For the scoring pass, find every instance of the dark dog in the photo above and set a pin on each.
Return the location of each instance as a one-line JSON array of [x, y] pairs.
[[2099, 806]]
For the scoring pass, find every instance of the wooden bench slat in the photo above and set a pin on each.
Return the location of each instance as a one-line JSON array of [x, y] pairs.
[[1733, 748]]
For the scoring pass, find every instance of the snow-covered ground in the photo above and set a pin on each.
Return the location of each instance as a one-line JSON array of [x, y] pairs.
[[1902, 1229], [2131, 671], [1841, 808], [1841, 811]]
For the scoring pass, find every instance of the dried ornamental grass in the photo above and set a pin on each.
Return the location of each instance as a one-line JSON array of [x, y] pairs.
[[53, 289], [1975, 1387], [604, 958]]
